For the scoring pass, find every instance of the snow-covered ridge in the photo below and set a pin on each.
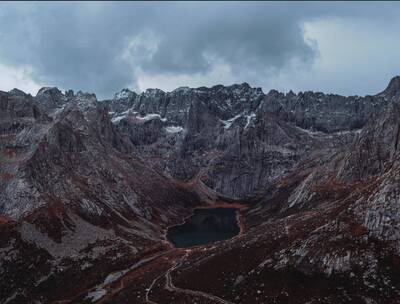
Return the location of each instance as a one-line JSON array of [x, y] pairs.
[[242, 91]]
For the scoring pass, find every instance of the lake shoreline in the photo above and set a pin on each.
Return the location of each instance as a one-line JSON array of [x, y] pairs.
[[207, 226]]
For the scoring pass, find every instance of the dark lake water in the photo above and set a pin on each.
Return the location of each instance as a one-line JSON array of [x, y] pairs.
[[205, 226]]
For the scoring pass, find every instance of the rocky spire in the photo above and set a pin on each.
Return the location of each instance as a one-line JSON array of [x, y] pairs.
[[393, 89], [52, 91], [17, 92], [125, 93]]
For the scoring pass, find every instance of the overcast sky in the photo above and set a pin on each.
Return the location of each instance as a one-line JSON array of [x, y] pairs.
[[101, 47]]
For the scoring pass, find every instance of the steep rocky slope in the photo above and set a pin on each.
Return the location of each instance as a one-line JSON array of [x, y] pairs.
[[88, 188], [74, 193]]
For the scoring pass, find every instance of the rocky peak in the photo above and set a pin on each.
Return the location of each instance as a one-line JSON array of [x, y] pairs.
[[275, 94], [85, 95], [49, 91], [17, 92], [291, 94], [49, 99], [393, 89], [124, 94], [181, 89], [241, 86], [217, 87], [69, 93], [21, 106], [153, 93]]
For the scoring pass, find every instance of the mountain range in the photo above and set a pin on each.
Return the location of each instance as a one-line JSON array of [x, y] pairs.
[[88, 189]]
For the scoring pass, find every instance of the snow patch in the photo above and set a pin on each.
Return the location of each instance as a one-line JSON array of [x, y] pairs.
[[99, 291], [174, 129], [122, 115], [329, 135], [96, 295], [117, 118], [152, 93], [311, 133], [57, 111], [356, 131], [228, 123], [150, 117], [125, 93], [249, 118]]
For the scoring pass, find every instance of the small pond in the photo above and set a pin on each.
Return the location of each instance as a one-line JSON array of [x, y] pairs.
[[205, 226]]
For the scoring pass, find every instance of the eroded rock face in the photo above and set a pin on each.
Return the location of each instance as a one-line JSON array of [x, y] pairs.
[[236, 139], [376, 149]]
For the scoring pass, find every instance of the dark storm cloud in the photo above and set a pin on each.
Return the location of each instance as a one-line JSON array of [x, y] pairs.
[[97, 46], [252, 35], [70, 45]]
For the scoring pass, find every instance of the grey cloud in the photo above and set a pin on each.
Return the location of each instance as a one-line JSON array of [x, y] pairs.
[[81, 45], [245, 35], [70, 45]]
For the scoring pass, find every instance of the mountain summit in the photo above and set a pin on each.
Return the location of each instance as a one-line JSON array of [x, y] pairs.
[[393, 89]]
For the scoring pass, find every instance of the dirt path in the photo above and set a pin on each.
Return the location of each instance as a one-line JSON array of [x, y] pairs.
[[169, 285], [164, 274], [112, 290], [148, 290]]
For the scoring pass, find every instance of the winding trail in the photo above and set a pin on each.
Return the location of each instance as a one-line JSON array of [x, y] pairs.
[[148, 290], [169, 285], [121, 285]]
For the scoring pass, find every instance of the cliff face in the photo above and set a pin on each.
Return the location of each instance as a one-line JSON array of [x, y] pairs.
[[88, 188], [236, 139]]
